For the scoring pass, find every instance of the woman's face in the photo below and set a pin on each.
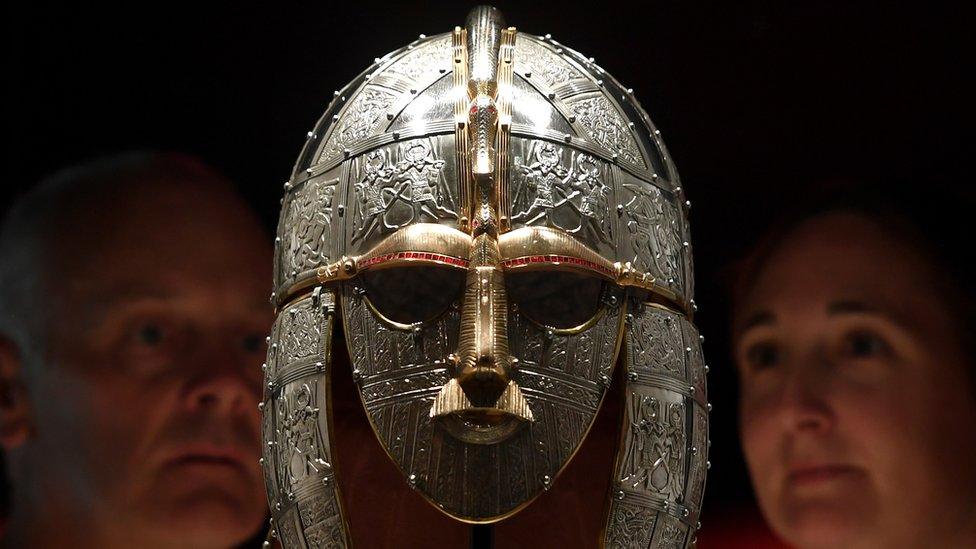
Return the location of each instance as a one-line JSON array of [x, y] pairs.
[[857, 413]]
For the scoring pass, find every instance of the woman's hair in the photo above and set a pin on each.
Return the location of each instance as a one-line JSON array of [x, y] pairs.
[[935, 222]]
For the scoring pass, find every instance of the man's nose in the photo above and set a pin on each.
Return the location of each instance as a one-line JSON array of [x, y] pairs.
[[219, 383], [484, 363]]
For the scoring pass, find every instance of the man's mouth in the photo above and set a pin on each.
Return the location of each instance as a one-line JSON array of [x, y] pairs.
[[481, 425], [207, 455]]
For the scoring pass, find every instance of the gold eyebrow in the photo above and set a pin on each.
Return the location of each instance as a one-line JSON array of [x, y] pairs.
[[524, 248]]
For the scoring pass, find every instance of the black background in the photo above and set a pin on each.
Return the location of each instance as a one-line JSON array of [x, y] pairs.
[[755, 100]]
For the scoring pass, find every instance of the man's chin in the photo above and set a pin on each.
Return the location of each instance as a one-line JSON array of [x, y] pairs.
[[208, 516]]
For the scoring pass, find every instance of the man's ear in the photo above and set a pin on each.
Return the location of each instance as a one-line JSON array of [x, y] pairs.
[[15, 420]]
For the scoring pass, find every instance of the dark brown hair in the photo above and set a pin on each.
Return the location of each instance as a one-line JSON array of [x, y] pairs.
[[936, 221]]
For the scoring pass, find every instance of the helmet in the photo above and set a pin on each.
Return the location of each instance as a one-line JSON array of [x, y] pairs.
[[494, 219]]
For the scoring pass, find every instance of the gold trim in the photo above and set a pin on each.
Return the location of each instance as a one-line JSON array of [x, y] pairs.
[[506, 61], [460, 48], [393, 323], [599, 314], [422, 237], [544, 241]]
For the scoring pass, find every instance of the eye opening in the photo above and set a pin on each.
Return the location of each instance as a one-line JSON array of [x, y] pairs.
[[410, 294], [557, 299]]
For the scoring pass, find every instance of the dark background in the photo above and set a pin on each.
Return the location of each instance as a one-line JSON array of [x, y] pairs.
[[756, 101]]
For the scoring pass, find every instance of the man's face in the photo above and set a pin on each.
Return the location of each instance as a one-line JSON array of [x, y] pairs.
[[144, 409], [853, 392]]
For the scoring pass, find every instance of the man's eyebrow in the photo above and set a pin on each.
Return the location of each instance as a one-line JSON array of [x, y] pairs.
[[758, 319], [101, 304]]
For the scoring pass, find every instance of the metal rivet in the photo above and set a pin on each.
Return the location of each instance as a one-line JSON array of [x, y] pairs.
[[633, 376]]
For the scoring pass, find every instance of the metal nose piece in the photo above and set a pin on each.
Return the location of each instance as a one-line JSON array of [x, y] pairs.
[[484, 363], [484, 383]]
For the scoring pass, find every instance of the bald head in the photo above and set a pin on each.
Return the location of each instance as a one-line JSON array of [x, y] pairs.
[[129, 212]]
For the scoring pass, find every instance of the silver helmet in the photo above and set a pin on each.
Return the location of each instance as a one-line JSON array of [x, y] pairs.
[[494, 219]]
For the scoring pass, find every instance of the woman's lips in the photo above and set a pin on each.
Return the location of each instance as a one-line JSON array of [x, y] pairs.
[[813, 475]]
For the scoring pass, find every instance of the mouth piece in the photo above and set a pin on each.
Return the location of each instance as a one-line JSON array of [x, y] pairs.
[[481, 425]]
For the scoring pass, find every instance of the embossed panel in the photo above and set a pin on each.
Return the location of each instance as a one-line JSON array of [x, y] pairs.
[[363, 117], [535, 60], [605, 126], [696, 361], [656, 343], [650, 231], [534, 111], [435, 104], [699, 463], [654, 460], [670, 533], [306, 228], [558, 186], [424, 62], [631, 525], [398, 185]]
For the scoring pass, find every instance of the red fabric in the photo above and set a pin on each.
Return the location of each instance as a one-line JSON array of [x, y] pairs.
[[741, 528]]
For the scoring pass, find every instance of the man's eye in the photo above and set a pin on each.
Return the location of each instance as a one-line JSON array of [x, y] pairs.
[[864, 345], [763, 355], [150, 334]]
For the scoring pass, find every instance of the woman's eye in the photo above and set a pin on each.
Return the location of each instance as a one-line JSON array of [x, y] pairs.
[[253, 343], [864, 345], [763, 355]]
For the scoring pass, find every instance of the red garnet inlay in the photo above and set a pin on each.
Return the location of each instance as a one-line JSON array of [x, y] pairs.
[[556, 259], [414, 255]]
